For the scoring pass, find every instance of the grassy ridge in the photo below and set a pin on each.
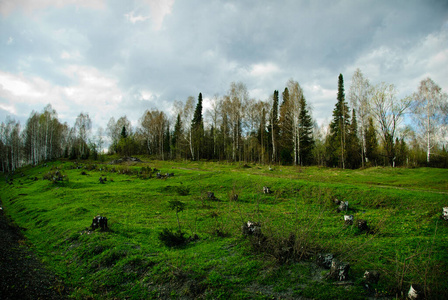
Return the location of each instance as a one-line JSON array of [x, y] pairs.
[[402, 206]]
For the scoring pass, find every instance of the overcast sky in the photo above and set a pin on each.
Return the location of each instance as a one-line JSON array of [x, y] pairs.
[[116, 58]]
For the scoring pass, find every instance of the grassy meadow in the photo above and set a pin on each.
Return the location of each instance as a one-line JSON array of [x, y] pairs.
[[407, 241]]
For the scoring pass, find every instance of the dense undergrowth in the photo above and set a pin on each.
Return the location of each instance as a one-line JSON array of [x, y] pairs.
[[55, 203]]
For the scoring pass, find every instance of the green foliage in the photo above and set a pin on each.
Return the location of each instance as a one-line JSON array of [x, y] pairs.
[[140, 257], [371, 144], [176, 205], [127, 146], [354, 153]]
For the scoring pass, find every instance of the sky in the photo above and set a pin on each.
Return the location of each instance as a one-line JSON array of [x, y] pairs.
[[120, 58]]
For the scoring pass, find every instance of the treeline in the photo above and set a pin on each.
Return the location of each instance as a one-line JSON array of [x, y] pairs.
[[238, 128]]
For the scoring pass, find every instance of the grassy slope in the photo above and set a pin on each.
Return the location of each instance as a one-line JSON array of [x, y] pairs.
[[402, 205]]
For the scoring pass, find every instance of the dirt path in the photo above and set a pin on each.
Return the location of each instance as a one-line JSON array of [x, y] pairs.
[[22, 274]]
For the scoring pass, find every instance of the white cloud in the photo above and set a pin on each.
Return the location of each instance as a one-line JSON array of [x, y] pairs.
[[159, 9], [134, 19], [74, 55], [264, 69], [18, 85], [29, 6], [93, 92], [428, 57]]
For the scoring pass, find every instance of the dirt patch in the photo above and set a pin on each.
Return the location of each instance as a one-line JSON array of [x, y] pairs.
[[23, 275]]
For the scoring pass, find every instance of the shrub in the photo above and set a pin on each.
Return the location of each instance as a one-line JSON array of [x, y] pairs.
[[172, 239], [182, 190], [55, 176]]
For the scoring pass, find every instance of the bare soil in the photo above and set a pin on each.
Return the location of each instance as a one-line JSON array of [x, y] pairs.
[[22, 274]]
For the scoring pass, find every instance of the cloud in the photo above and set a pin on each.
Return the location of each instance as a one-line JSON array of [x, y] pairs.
[[30, 6], [114, 58], [134, 19], [264, 69], [158, 10], [427, 57]]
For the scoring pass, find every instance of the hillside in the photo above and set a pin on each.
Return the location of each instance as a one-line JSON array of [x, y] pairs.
[[405, 242]]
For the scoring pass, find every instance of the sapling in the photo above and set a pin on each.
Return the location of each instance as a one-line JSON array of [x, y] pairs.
[[178, 206]]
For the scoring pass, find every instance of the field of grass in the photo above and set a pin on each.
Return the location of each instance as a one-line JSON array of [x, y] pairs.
[[407, 242]]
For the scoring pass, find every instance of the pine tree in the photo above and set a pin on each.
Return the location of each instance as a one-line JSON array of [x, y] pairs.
[[273, 126], [354, 151], [339, 128], [286, 124], [197, 127], [371, 143], [176, 137], [401, 152], [305, 134], [124, 133]]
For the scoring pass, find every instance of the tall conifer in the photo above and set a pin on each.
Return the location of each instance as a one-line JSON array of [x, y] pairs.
[[339, 128], [197, 127], [305, 133]]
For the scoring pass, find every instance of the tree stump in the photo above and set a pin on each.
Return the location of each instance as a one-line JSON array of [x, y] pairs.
[[343, 206], [325, 260], [339, 270], [348, 219], [371, 276], [445, 213], [415, 292], [99, 222], [362, 225], [251, 228], [211, 196]]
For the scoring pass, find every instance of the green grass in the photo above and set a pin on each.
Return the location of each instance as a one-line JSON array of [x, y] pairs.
[[402, 207]]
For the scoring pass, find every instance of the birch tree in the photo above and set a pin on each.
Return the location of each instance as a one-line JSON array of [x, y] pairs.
[[359, 101], [153, 123], [11, 145], [388, 112], [188, 112], [214, 114], [83, 125], [429, 111], [295, 96], [235, 105]]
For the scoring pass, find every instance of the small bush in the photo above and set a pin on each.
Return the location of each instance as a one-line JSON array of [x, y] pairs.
[[284, 249], [55, 176], [182, 190], [172, 239]]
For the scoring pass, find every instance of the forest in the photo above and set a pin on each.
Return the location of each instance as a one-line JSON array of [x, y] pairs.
[[369, 127]]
